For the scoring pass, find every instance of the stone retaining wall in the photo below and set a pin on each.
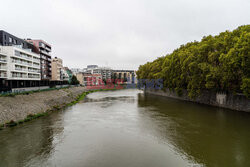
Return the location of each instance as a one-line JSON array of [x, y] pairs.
[[230, 101], [20, 106]]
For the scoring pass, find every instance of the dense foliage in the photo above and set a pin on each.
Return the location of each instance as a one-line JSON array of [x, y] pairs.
[[74, 80], [216, 63]]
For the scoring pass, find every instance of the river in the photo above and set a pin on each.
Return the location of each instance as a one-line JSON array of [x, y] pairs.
[[126, 128]]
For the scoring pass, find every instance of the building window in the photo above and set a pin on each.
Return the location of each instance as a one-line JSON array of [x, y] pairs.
[[17, 53], [10, 39]]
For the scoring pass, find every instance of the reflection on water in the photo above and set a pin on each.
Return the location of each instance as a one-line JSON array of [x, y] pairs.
[[22, 144], [129, 128], [208, 135]]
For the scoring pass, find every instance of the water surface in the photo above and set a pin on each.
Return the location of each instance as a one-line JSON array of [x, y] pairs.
[[126, 128]]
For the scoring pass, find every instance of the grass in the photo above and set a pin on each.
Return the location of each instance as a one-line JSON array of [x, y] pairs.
[[54, 108], [82, 96], [27, 119]]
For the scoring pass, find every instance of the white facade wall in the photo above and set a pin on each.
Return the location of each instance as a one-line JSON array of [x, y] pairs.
[[104, 71], [19, 64]]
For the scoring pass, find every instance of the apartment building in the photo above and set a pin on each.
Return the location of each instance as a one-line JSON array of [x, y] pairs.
[[56, 69], [44, 50], [105, 72], [26, 63], [127, 76], [87, 79], [59, 73], [18, 67], [7, 39]]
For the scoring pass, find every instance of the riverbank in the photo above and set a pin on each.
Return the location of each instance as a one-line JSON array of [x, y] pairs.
[[234, 102], [25, 107]]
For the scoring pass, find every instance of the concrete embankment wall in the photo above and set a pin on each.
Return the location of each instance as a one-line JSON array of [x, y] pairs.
[[230, 101], [20, 106]]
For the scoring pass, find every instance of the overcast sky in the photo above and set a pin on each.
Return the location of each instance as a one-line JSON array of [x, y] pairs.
[[121, 34]]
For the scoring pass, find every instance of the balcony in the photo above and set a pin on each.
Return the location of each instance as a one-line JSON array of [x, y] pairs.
[[3, 75], [20, 69], [3, 61], [44, 52], [36, 60], [2, 52], [33, 76], [24, 56], [36, 65], [3, 68], [21, 62], [33, 70], [41, 45], [19, 76], [48, 49]]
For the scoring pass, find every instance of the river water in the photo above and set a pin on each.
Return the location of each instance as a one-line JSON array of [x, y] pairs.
[[126, 128]]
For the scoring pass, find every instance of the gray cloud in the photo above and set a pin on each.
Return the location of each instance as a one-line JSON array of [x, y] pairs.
[[119, 33]]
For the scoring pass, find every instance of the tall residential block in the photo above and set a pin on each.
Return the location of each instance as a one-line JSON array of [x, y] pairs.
[[19, 66], [59, 73], [56, 69], [44, 50]]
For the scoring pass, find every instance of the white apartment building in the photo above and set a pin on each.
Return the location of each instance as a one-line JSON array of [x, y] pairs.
[[106, 72], [17, 63]]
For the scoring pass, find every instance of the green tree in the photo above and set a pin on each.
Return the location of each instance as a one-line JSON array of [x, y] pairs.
[[74, 80], [216, 63]]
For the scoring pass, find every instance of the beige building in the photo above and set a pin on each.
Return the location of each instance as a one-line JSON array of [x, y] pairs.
[[80, 77], [127, 76], [57, 66], [87, 79]]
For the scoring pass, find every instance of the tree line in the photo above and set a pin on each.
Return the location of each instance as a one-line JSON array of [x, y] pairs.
[[216, 63]]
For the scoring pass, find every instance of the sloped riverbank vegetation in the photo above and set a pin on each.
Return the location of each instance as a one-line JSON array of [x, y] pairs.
[[57, 106], [218, 63]]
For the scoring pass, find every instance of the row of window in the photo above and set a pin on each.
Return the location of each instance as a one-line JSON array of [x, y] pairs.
[[12, 40], [29, 69], [23, 75], [25, 62], [26, 56]]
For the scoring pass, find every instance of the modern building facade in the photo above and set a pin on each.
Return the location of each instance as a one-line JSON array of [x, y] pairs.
[[18, 67], [44, 50], [127, 76], [105, 72], [25, 64], [7, 39]]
